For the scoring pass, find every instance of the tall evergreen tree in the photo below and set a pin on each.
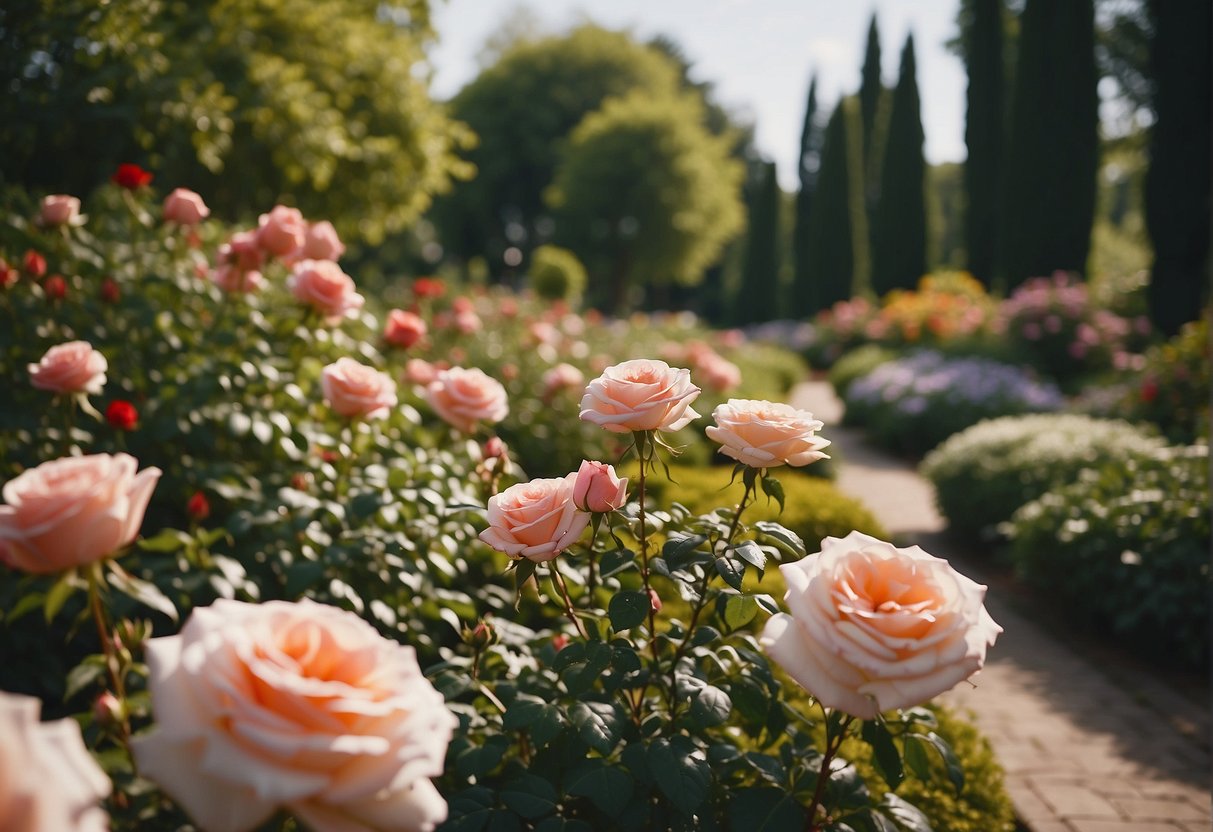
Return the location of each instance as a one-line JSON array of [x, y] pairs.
[[811, 138], [983, 136], [1053, 144], [759, 298], [871, 88], [899, 233], [1177, 182], [838, 240]]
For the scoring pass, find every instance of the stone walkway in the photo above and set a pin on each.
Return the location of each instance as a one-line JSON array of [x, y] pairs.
[[1086, 748]]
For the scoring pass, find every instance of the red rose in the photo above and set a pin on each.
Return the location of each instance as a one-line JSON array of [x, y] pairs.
[[429, 287], [55, 287], [198, 508], [109, 290], [8, 275], [131, 177], [34, 264], [121, 415], [1149, 391]]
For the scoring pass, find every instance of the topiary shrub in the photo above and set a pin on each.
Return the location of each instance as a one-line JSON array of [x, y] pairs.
[[1126, 549], [557, 274], [983, 474], [858, 363]]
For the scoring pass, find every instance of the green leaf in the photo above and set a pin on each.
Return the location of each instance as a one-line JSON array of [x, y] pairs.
[[680, 545], [846, 787], [627, 609], [167, 540], [765, 810], [597, 723], [142, 591], [563, 825], [608, 787], [916, 759], [549, 724], [478, 760], [711, 707], [470, 810], [907, 815], [773, 489], [301, 576], [884, 752], [739, 610], [28, 603], [951, 764], [523, 571], [522, 712], [530, 796], [781, 537], [83, 675], [681, 772], [751, 553], [704, 635], [733, 571], [615, 561], [58, 594]]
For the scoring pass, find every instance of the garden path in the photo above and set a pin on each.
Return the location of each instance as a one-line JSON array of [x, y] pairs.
[[1089, 743]]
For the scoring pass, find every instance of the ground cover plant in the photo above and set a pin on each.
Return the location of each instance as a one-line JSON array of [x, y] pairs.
[[279, 555]]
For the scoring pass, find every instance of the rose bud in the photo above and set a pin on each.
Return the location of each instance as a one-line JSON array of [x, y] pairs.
[[110, 293], [480, 636], [654, 600], [184, 207], [55, 287], [131, 177], [493, 448], [301, 481], [34, 264], [59, 209], [598, 489], [198, 507], [108, 710], [122, 415], [559, 642]]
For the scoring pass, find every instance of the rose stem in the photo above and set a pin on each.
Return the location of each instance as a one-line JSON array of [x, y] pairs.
[[823, 776], [558, 579], [105, 634]]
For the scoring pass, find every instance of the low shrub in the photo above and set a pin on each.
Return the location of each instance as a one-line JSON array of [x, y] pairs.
[[1126, 549], [557, 274], [983, 474], [858, 363], [914, 403], [1172, 390]]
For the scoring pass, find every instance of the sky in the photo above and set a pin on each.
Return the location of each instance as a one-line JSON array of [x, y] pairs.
[[759, 54]]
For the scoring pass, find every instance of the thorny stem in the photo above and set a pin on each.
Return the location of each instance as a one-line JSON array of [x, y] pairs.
[[558, 579], [105, 634], [823, 776]]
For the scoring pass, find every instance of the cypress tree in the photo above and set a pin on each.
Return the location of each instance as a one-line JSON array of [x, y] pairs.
[[870, 88], [759, 298], [1053, 144], [900, 229], [837, 227], [1177, 182], [983, 136], [810, 167]]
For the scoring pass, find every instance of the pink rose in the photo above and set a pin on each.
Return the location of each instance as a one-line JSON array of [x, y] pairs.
[[74, 367], [241, 252], [873, 627], [403, 329], [322, 242], [420, 371], [717, 372], [294, 706], [465, 397], [536, 520], [184, 207], [356, 390], [642, 394], [59, 209], [48, 780], [281, 231], [598, 489], [233, 279], [761, 434], [73, 511], [322, 285], [561, 377], [467, 322]]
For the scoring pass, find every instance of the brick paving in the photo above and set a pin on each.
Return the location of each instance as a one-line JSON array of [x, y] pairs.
[[1087, 745]]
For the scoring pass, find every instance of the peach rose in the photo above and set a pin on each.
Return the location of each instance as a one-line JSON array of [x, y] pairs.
[[419, 371], [718, 372], [873, 627], [403, 329], [561, 377], [465, 397], [281, 231], [74, 367], [322, 285], [295, 706], [598, 489], [322, 242], [48, 780], [185, 207], [233, 279], [356, 390], [761, 434], [536, 520], [73, 511], [642, 394], [59, 209]]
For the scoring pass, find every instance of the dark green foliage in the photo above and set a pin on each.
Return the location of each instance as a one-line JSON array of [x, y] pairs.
[[759, 299], [983, 136], [812, 137], [982, 475], [557, 274], [1126, 549], [899, 232], [870, 90], [838, 239], [1177, 183], [1053, 143]]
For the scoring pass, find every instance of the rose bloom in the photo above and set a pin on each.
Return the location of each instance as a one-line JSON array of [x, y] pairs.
[[73, 511], [403, 329], [198, 507], [131, 177], [642, 394], [762, 434], [561, 377], [322, 285], [322, 242], [536, 520], [55, 287], [598, 489], [429, 287], [59, 209], [241, 252], [74, 367], [467, 322], [122, 415], [295, 706], [718, 372], [419, 371], [185, 207], [281, 231], [48, 780], [464, 397], [233, 279], [873, 627], [356, 390], [34, 264]]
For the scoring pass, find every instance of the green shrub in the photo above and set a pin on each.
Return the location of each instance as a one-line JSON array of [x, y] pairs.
[[1173, 389], [557, 274], [858, 363], [1126, 549], [983, 474]]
